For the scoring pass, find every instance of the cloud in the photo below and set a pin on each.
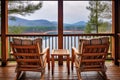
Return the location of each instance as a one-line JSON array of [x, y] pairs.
[[73, 11]]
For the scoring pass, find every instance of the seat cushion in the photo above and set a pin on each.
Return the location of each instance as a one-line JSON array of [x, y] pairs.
[[28, 41]]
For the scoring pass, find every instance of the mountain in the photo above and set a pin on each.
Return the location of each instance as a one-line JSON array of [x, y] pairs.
[[16, 21], [28, 23], [80, 23]]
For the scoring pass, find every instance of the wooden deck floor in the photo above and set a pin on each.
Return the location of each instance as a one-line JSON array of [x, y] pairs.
[[60, 73]]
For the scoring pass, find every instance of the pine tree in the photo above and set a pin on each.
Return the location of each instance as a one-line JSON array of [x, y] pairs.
[[97, 8], [22, 7]]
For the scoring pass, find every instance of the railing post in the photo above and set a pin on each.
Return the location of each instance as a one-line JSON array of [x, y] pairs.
[[60, 29], [4, 27]]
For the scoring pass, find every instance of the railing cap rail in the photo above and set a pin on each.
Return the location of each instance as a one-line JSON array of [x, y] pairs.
[[93, 34]]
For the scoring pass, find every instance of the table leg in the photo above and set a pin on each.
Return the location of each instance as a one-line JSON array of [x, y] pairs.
[[72, 60], [60, 60], [68, 64], [48, 59], [52, 65]]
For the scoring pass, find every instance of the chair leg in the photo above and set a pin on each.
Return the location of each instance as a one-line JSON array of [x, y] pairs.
[[78, 74], [42, 75], [18, 75], [104, 75]]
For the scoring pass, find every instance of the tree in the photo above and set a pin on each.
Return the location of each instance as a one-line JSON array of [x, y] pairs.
[[88, 29], [23, 7], [98, 10], [107, 13], [16, 29]]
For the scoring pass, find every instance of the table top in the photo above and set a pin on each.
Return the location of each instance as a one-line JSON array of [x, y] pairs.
[[61, 52]]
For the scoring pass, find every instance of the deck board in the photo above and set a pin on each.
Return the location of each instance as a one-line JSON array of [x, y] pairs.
[[60, 73]]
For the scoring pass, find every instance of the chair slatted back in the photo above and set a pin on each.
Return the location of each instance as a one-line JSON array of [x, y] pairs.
[[27, 55], [93, 56]]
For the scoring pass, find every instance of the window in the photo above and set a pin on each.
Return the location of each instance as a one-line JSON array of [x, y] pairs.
[[79, 19], [42, 20]]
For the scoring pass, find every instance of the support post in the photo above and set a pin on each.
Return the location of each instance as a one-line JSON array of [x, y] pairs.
[[4, 27], [60, 29]]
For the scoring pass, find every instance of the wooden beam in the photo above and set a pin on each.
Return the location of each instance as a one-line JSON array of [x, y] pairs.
[[113, 29], [60, 24], [60, 29], [4, 27], [118, 28], [116, 24]]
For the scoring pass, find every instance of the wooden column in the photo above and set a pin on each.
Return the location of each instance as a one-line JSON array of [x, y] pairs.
[[60, 29], [4, 30], [118, 37], [113, 29], [116, 30]]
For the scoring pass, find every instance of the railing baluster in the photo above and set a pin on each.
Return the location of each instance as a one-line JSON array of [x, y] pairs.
[[45, 41], [71, 41], [55, 43], [68, 41], [64, 42], [52, 42]]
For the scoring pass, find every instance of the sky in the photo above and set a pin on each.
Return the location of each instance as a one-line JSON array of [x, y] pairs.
[[73, 12]]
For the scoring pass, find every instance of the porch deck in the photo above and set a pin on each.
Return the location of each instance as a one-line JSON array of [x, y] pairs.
[[60, 73]]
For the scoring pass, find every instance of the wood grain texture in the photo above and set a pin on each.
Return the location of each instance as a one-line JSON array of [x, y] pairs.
[[60, 73]]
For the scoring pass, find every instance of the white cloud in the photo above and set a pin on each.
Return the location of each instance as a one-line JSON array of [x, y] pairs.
[[73, 11]]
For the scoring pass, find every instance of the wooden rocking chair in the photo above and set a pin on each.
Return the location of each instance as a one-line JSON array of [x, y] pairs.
[[29, 58], [91, 56]]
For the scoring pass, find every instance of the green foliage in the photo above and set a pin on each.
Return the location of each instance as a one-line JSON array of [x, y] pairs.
[[39, 29], [16, 29], [105, 27], [88, 28], [22, 7], [107, 13], [34, 29], [97, 9]]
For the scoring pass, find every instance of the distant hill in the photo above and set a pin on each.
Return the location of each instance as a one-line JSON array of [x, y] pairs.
[[28, 23], [81, 23], [16, 21]]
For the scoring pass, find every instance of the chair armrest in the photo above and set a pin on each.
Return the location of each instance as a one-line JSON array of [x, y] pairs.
[[44, 51], [44, 55], [76, 52], [77, 56]]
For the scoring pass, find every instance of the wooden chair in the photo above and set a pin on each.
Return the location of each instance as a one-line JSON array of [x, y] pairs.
[[29, 58], [91, 56]]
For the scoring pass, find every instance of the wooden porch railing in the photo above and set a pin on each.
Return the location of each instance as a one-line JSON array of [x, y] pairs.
[[69, 40]]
